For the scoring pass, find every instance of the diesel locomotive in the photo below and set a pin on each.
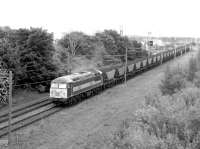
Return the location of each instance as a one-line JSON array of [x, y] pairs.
[[77, 86]]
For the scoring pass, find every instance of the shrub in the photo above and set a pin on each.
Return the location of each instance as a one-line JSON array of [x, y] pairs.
[[174, 80], [196, 80], [172, 119], [192, 69]]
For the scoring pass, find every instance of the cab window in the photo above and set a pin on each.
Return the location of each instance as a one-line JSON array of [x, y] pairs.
[[62, 85], [54, 85]]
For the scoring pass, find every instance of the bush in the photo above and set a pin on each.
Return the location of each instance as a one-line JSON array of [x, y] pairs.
[[192, 69], [196, 80], [172, 119], [174, 80]]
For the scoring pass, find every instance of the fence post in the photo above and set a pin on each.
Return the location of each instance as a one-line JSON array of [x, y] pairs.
[[10, 111]]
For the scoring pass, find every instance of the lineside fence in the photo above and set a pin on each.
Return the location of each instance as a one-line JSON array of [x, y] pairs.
[[6, 97], [4, 86]]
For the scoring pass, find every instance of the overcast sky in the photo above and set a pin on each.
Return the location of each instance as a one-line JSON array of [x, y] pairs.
[[137, 17]]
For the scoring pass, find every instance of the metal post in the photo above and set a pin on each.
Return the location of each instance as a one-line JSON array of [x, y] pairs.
[[175, 51], [126, 57], [147, 48], [185, 48], [10, 112]]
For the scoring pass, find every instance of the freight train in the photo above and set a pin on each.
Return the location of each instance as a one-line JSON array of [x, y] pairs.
[[77, 86]]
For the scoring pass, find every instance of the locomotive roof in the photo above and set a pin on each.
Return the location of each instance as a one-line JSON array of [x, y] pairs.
[[76, 76]]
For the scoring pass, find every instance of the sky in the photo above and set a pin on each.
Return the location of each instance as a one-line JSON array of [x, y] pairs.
[[134, 17]]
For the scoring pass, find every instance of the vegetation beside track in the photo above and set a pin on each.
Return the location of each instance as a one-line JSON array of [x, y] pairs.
[[169, 119], [36, 58]]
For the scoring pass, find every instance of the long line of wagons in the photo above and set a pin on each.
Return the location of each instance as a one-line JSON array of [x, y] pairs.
[[77, 86]]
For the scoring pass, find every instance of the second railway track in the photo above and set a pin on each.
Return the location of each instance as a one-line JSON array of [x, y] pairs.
[[27, 114]]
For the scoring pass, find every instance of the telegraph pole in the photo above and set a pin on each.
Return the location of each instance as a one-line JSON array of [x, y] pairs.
[[125, 69], [175, 51], [148, 39], [186, 46], [126, 59], [10, 112]]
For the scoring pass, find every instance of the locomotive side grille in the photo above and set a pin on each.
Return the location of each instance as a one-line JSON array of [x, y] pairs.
[[85, 85]]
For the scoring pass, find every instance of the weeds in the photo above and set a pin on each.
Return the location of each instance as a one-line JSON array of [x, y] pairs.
[[174, 80], [170, 120]]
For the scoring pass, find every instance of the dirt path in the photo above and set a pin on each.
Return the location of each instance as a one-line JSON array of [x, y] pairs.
[[97, 115]]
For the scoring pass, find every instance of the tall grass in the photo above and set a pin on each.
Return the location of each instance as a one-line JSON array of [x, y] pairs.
[[174, 80]]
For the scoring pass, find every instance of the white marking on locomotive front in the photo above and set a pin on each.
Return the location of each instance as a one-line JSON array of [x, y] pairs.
[[58, 93]]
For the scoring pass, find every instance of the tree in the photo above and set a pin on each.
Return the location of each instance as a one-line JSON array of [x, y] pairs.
[[36, 49], [71, 43], [115, 44], [108, 41], [8, 52]]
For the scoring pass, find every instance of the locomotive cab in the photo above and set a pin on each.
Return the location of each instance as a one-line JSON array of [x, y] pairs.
[[59, 88], [71, 85]]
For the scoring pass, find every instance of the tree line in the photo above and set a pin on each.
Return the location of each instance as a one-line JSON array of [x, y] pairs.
[[36, 58]]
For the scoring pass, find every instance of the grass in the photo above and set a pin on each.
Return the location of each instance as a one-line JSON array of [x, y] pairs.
[[168, 120], [22, 96]]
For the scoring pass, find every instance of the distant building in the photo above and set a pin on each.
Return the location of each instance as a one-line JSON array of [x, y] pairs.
[[158, 42], [154, 44]]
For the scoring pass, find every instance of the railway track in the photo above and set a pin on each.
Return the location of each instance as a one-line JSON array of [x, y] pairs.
[[27, 114]]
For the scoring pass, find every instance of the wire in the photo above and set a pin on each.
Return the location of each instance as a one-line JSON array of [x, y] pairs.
[[104, 55]]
